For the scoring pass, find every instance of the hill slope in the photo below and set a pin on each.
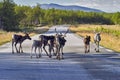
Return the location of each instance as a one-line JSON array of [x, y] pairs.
[[70, 7]]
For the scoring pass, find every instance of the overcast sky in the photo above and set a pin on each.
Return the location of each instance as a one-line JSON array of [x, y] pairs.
[[104, 5]]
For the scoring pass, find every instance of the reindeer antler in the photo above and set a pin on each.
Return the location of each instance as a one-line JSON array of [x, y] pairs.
[[56, 31], [66, 32]]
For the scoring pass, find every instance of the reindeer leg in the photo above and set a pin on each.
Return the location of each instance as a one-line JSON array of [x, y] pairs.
[[45, 50], [85, 48], [59, 54], [21, 48], [53, 51], [97, 46], [41, 49], [39, 52], [16, 48], [12, 47], [50, 48], [35, 52], [89, 48], [62, 52], [31, 51]]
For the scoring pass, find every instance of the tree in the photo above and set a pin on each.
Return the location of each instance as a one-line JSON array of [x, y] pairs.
[[24, 15], [8, 15], [116, 18]]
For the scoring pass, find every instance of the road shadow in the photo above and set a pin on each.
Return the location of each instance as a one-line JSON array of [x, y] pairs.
[[67, 55], [77, 56], [9, 55]]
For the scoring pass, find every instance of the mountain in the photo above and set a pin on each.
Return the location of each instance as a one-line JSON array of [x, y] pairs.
[[70, 7]]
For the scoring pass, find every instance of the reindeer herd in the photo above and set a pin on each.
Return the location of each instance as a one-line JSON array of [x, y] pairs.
[[55, 44]]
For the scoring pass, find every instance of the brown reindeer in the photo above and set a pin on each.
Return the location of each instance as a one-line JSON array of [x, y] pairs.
[[87, 43], [47, 41], [19, 39]]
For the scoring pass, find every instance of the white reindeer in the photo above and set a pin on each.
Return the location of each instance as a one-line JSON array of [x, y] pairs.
[[36, 44], [97, 39]]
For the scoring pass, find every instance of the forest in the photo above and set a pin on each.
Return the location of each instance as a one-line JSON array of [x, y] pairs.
[[14, 17]]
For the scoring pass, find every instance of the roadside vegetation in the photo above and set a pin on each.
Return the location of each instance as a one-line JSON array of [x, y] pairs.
[[110, 34], [5, 37]]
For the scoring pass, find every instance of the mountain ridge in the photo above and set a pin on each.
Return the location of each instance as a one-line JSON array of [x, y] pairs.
[[68, 7]]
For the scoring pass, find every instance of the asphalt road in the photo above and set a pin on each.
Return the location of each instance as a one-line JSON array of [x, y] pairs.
[[76, 65]]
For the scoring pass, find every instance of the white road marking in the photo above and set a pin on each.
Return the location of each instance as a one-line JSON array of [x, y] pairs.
[[109, 50]]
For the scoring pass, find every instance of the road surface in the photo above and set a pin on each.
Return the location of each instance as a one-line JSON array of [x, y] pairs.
[[76, 65]]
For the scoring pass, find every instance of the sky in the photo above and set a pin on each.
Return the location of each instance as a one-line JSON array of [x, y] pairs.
[[104, 5]]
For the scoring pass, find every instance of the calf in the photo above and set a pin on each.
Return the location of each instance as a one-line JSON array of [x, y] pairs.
[[36, 44], [19, 39]]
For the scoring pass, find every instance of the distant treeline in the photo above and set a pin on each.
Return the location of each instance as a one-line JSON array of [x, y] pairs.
[[15, 17]]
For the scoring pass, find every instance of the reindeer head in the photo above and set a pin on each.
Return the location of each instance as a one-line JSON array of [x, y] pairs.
[[27, 36], [61, 34]]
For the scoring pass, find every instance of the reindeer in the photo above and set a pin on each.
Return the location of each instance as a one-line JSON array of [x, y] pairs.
[[19, 39], [60, 43], [36, 44], [47, 40], [87, 43], [97, 39]]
